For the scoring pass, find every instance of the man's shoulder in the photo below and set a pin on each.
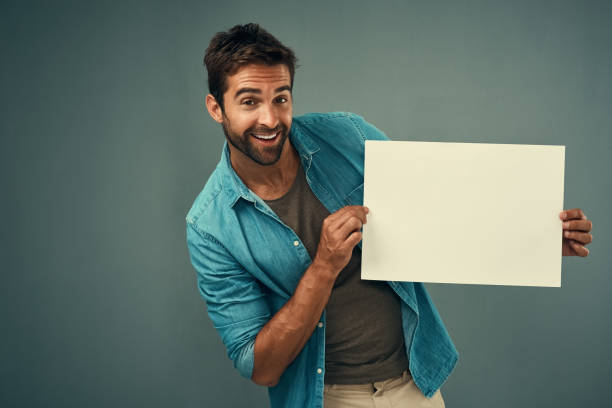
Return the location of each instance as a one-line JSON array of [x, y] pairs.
[[328, 119], [321, 125]]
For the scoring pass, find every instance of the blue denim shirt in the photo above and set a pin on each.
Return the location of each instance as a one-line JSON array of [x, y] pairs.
[[249, 263]]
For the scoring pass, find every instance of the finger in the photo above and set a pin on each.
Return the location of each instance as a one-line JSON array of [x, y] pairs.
[[352, 240], [582, 237], [350, 226], [342, 212], [578, 225], [573, 214], [579, 249], [354, 208], [358, 212], [335, 220]]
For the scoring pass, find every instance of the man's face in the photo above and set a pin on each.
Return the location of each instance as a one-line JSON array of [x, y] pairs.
[[258, 111]]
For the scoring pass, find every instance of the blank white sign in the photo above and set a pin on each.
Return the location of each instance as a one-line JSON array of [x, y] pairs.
[[470, 213]]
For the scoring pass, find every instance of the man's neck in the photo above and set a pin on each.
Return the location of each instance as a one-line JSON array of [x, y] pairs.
[[268, 182]]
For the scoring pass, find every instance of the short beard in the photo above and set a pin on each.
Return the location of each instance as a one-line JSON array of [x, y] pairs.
[[243, 144]]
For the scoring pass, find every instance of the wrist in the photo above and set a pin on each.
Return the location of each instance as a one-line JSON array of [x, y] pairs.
[[323, 270]]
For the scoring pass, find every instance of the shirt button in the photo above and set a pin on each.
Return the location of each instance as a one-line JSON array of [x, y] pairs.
[[320, 324], [296, 243], [319, 371]]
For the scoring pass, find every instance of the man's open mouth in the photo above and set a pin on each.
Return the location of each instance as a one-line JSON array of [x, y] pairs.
[[266, 137]]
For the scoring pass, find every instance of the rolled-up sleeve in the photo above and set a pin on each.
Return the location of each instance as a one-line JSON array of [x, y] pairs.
[[235, 301]]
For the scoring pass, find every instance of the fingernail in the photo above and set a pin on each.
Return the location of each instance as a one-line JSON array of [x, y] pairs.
[[563, 215], [566, 224], [566, 233]]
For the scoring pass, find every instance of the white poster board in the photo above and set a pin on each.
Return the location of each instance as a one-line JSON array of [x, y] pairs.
[[471, 213]]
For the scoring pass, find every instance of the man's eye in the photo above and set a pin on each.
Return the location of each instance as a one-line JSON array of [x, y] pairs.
[[249, 102], [281, 99]]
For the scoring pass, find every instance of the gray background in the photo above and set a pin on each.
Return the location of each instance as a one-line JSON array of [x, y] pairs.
[[105, 143]]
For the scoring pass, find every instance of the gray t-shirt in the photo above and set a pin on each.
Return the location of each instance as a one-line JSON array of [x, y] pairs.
[[364, 341]]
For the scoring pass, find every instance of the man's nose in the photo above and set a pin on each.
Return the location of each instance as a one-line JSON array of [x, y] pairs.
[[268, 116]]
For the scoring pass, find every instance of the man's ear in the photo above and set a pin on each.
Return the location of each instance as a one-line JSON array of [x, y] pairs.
[[214, 109]]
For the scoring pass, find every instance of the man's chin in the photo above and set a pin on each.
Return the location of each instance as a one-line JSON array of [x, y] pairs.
[[274, 150], [268, 159]]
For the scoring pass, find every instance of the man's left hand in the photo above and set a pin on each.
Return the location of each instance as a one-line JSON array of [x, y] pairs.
[[576, 232]]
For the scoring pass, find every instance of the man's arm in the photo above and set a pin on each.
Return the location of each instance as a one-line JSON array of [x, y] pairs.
[[236, 303], [280, 341]]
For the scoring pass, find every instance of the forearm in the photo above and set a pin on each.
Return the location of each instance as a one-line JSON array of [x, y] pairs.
[[280, 341]]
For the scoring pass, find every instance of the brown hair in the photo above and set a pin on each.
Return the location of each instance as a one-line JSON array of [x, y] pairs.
[[242, 45]]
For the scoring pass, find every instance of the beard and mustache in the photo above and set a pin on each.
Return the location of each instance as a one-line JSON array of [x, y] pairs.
[[267, 156]]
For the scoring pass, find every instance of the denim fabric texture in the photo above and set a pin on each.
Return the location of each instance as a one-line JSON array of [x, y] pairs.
[[248, 263]]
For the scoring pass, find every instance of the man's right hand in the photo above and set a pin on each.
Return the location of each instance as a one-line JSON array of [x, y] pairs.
[[340, 233]]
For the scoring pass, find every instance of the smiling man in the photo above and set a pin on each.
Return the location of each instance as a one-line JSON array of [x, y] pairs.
[[275, 236]]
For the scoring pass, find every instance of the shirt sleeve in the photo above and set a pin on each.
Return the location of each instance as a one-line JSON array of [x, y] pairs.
[[235, 301], [367, 130]]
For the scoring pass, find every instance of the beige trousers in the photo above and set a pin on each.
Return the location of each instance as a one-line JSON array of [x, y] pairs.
[[394, 392]]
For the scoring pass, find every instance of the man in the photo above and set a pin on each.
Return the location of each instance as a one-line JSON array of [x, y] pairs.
[[275, 239]]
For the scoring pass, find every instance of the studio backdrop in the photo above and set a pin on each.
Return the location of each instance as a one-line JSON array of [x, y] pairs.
[[105, 142]]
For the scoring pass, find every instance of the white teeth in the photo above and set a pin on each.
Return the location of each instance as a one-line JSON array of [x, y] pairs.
[[265, 137]]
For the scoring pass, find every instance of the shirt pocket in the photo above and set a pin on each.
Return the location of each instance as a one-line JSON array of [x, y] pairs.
[[355, 197]]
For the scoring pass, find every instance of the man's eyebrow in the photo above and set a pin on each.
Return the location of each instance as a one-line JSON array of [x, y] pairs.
[[247, 90], [283, 88], [258, 91]]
